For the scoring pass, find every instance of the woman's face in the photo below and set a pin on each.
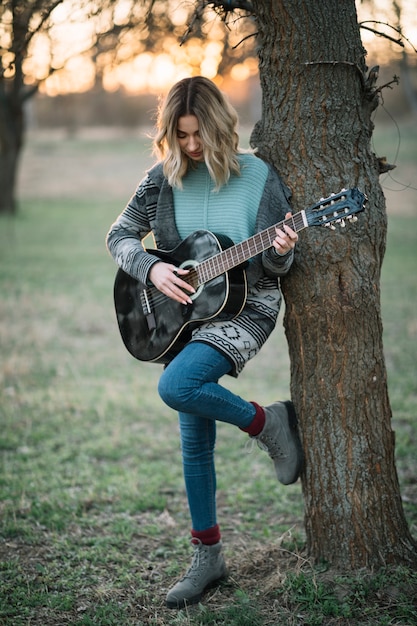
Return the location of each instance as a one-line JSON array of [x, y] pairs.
[[189, 139]]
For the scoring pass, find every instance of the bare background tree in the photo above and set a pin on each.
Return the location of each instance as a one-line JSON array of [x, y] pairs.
[[21, 23]]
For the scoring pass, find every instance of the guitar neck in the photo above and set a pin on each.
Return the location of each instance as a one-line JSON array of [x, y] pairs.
[[247, 249]]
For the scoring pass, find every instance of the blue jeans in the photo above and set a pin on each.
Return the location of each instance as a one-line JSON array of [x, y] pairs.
[[190, 386]]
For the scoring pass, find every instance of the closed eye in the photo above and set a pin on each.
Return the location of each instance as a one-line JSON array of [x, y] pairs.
[[181, 135]]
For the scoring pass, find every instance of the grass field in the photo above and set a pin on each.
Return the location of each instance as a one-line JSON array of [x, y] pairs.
[[94, 524]]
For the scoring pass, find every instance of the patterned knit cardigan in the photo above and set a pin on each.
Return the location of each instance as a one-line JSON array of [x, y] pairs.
[[151, 209]]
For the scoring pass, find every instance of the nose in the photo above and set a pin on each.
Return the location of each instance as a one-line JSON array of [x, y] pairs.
[[193, 144]]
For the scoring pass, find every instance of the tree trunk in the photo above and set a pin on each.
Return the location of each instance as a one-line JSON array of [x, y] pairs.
[[316, 129], [11, 141], [8, 172]]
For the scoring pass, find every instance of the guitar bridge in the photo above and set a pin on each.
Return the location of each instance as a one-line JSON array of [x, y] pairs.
[[146, 307]]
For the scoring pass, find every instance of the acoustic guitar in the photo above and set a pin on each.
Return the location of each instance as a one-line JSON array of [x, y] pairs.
[[155, 328]]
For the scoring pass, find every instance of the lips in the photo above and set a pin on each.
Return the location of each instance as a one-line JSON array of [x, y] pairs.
[[195, 155]]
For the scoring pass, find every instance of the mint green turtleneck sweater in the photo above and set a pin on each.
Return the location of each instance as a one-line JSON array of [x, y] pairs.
[[230, 211]]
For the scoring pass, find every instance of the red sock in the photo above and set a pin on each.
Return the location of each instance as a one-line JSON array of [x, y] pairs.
[[258, 422], [209, 537]]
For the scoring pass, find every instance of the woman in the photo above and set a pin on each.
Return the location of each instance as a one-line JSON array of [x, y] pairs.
[[203, 181]]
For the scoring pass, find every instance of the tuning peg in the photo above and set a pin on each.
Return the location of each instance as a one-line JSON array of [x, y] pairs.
[[330, 225], [342, 223]]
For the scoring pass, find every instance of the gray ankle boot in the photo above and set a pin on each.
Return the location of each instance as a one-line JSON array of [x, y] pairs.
[[280, 439], [207, 568]]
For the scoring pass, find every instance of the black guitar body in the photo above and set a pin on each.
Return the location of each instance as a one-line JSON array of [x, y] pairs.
[[156, 328]]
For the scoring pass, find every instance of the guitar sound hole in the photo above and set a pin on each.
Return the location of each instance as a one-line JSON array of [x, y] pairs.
[[192, 278]]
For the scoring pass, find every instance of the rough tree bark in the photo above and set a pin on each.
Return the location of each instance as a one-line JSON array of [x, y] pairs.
[[316, 128]]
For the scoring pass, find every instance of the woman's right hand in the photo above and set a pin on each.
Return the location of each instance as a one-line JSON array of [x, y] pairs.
[[167, 278]]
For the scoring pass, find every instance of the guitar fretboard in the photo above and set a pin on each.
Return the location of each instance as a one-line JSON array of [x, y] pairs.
[[245, 250]]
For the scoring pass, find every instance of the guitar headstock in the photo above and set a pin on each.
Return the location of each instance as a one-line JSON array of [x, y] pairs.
[[338, 208]]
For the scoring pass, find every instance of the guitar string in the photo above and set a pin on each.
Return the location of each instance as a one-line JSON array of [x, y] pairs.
[[234, 256], [262, 241]]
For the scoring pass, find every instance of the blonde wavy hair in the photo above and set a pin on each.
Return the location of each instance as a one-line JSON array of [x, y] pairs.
[[217, 123]]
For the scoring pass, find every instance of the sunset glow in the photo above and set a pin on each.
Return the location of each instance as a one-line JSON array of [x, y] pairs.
[[66, 49]]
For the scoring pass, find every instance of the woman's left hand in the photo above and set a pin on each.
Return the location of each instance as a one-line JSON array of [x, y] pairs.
[[286, 238]]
